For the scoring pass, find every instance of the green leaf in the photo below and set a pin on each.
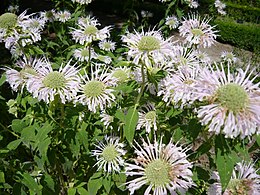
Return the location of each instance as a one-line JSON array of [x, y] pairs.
[[107, 184], [43, 147], [258, 140], [82, 191], [94, 183], [28, 134], [120, 115], [225, 164], [120, 180], [130, 124], [14, 144], [82, 136], [2, 177], [49, 181], [18, 125], [38, 50], [29, 182], [72, 191], [43, 132], [2, 79]]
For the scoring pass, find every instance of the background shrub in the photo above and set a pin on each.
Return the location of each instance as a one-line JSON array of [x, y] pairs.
[[245, 36]]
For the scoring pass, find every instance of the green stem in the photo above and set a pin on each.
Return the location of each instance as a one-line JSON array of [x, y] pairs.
[[62, 114], [8, 130], [142, 87], [89, 55]]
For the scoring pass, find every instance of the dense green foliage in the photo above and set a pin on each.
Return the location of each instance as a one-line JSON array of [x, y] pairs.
[[46, 148], [246, 36], [243, 13]]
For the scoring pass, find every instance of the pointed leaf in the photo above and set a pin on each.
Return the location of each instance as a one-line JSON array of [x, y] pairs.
[[130, 124], [29, 182], [225, 164], [14, 144], [49, 181]]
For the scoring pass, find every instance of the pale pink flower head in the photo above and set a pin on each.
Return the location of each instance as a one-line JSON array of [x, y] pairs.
[[198, 31], [109, 154], [147, 47], [244, 180], [233, 102], [49, 83], [96, 91], [162, 168]]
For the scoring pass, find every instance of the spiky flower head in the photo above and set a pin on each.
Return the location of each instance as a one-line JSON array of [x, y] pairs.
[[229, 57], [106, 119], [97, 90], [244, 180], [220, 7], [172, 22], [203, 58], [197, 31], [82, 2], [20, 29], [147, 46], [88, 32], [50, 83], [179, 88], [27, 67], [147, 118], [192, 3], [109, 154], [107, 45], [8, 20], [233, 102], [122, 74], [184, 56], [13, 8], [62, 16], [164, 168], [85, 54], [48, 16]]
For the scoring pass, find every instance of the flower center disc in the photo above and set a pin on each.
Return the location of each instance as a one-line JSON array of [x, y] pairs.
[[28, 70], [109, 153], [8, 20], [120, 75], [233, 97], [151, 115], [197, 32], [239, 187], [148, 43], [84, 53], [55, 80], [90, 30], [107, 45], [94, 88], [157, 172]]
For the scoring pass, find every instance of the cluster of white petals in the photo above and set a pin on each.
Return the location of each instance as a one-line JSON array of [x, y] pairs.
[[147, 46], [163, 168], [19, 31], [197, 31], [233, 102], [244, 180], [87, 31], [109, 154]]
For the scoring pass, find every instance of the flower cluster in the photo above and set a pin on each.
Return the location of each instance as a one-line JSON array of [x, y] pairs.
[[162, 167], [87, 31], [220, 7], [147, 47], [18, 31], [244, 180], [198, 31]]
